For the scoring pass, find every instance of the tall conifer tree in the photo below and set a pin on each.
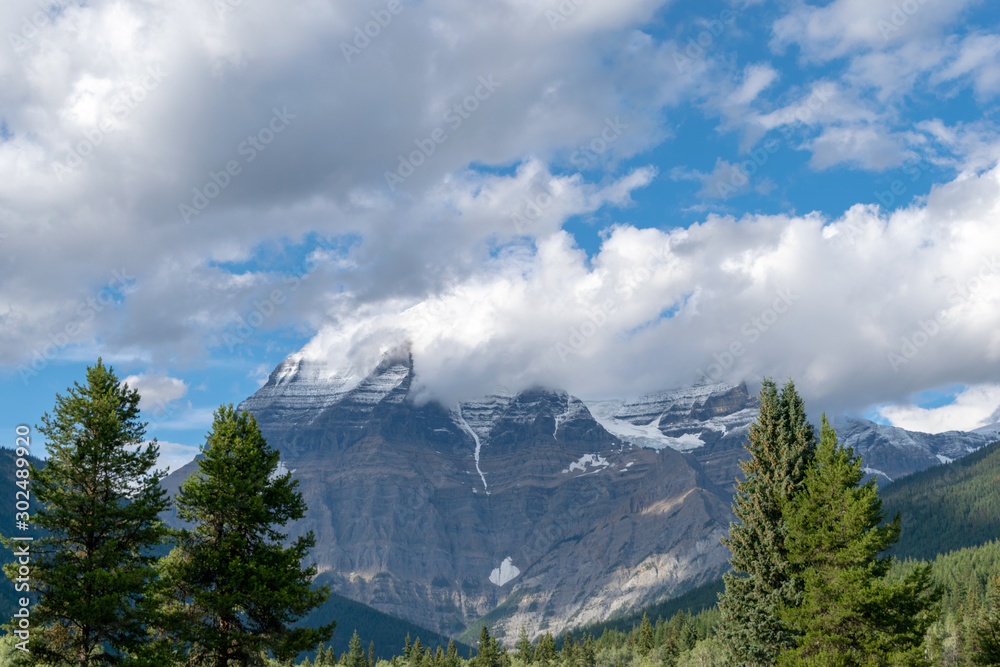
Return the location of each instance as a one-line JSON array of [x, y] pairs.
[[99, 499], [848, 612], [781, 444], [234, 588]]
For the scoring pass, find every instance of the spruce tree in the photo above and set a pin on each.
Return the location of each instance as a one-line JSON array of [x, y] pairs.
[[986, 634], [356, 654], [848, 611], [525, 650], [489, 650], [781, 444], [451, 655], [98, 498], [645, 644], [232, 588]]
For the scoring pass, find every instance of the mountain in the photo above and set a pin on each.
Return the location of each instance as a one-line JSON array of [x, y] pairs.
[[439, 514], [890, 452], [535, 508]]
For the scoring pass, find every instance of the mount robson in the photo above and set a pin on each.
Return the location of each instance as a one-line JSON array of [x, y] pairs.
[[538, 508]]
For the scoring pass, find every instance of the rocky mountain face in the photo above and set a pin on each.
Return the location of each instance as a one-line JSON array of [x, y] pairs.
[[889, 452], [538, 508]]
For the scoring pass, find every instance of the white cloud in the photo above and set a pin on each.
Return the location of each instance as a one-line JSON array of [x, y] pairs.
[[174, 455], [971, 409], [842, 306], [156, 391]]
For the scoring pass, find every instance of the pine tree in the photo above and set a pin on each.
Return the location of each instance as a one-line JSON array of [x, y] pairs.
[[849, 612], [99, 498], [986, 634], [356, 654], [545, 650], [525, 650], [645, 644], [451, 655], [407, 647], [781, 444], [371, 654], [489, 651], [234, 589]]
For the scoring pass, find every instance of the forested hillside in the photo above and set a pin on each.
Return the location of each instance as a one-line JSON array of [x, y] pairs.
[[947, 507], [387, 632]]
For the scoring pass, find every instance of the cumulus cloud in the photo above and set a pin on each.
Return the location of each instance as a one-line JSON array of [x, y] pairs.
[[156, 391], [974, 407], [861, 310]]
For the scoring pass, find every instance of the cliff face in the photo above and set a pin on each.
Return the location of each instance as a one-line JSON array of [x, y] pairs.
[[441, 514], [538, 508]]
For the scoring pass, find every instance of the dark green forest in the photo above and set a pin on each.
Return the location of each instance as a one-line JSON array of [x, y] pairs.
[[947, 507]]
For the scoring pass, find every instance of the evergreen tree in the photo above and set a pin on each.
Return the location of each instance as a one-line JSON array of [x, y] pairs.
[[645, 644], [451, 655], [371, 654], [781, 444], [489, 651], [987, 631], [99, 498], [234, 589], [849, 612], [545, 650], [524, 647], [356, 654], [407, 647]]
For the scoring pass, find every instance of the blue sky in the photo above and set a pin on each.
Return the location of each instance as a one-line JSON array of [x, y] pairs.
[[610, 197]]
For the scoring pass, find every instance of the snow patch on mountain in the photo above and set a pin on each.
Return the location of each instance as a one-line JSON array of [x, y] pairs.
[[505, 573], [593, 460]]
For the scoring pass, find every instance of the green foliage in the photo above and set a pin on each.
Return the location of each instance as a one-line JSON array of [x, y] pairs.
[[847, 612], [986, 633], [98, 503], [386, 631], [781, 444], [947, 507], [230, 587]]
